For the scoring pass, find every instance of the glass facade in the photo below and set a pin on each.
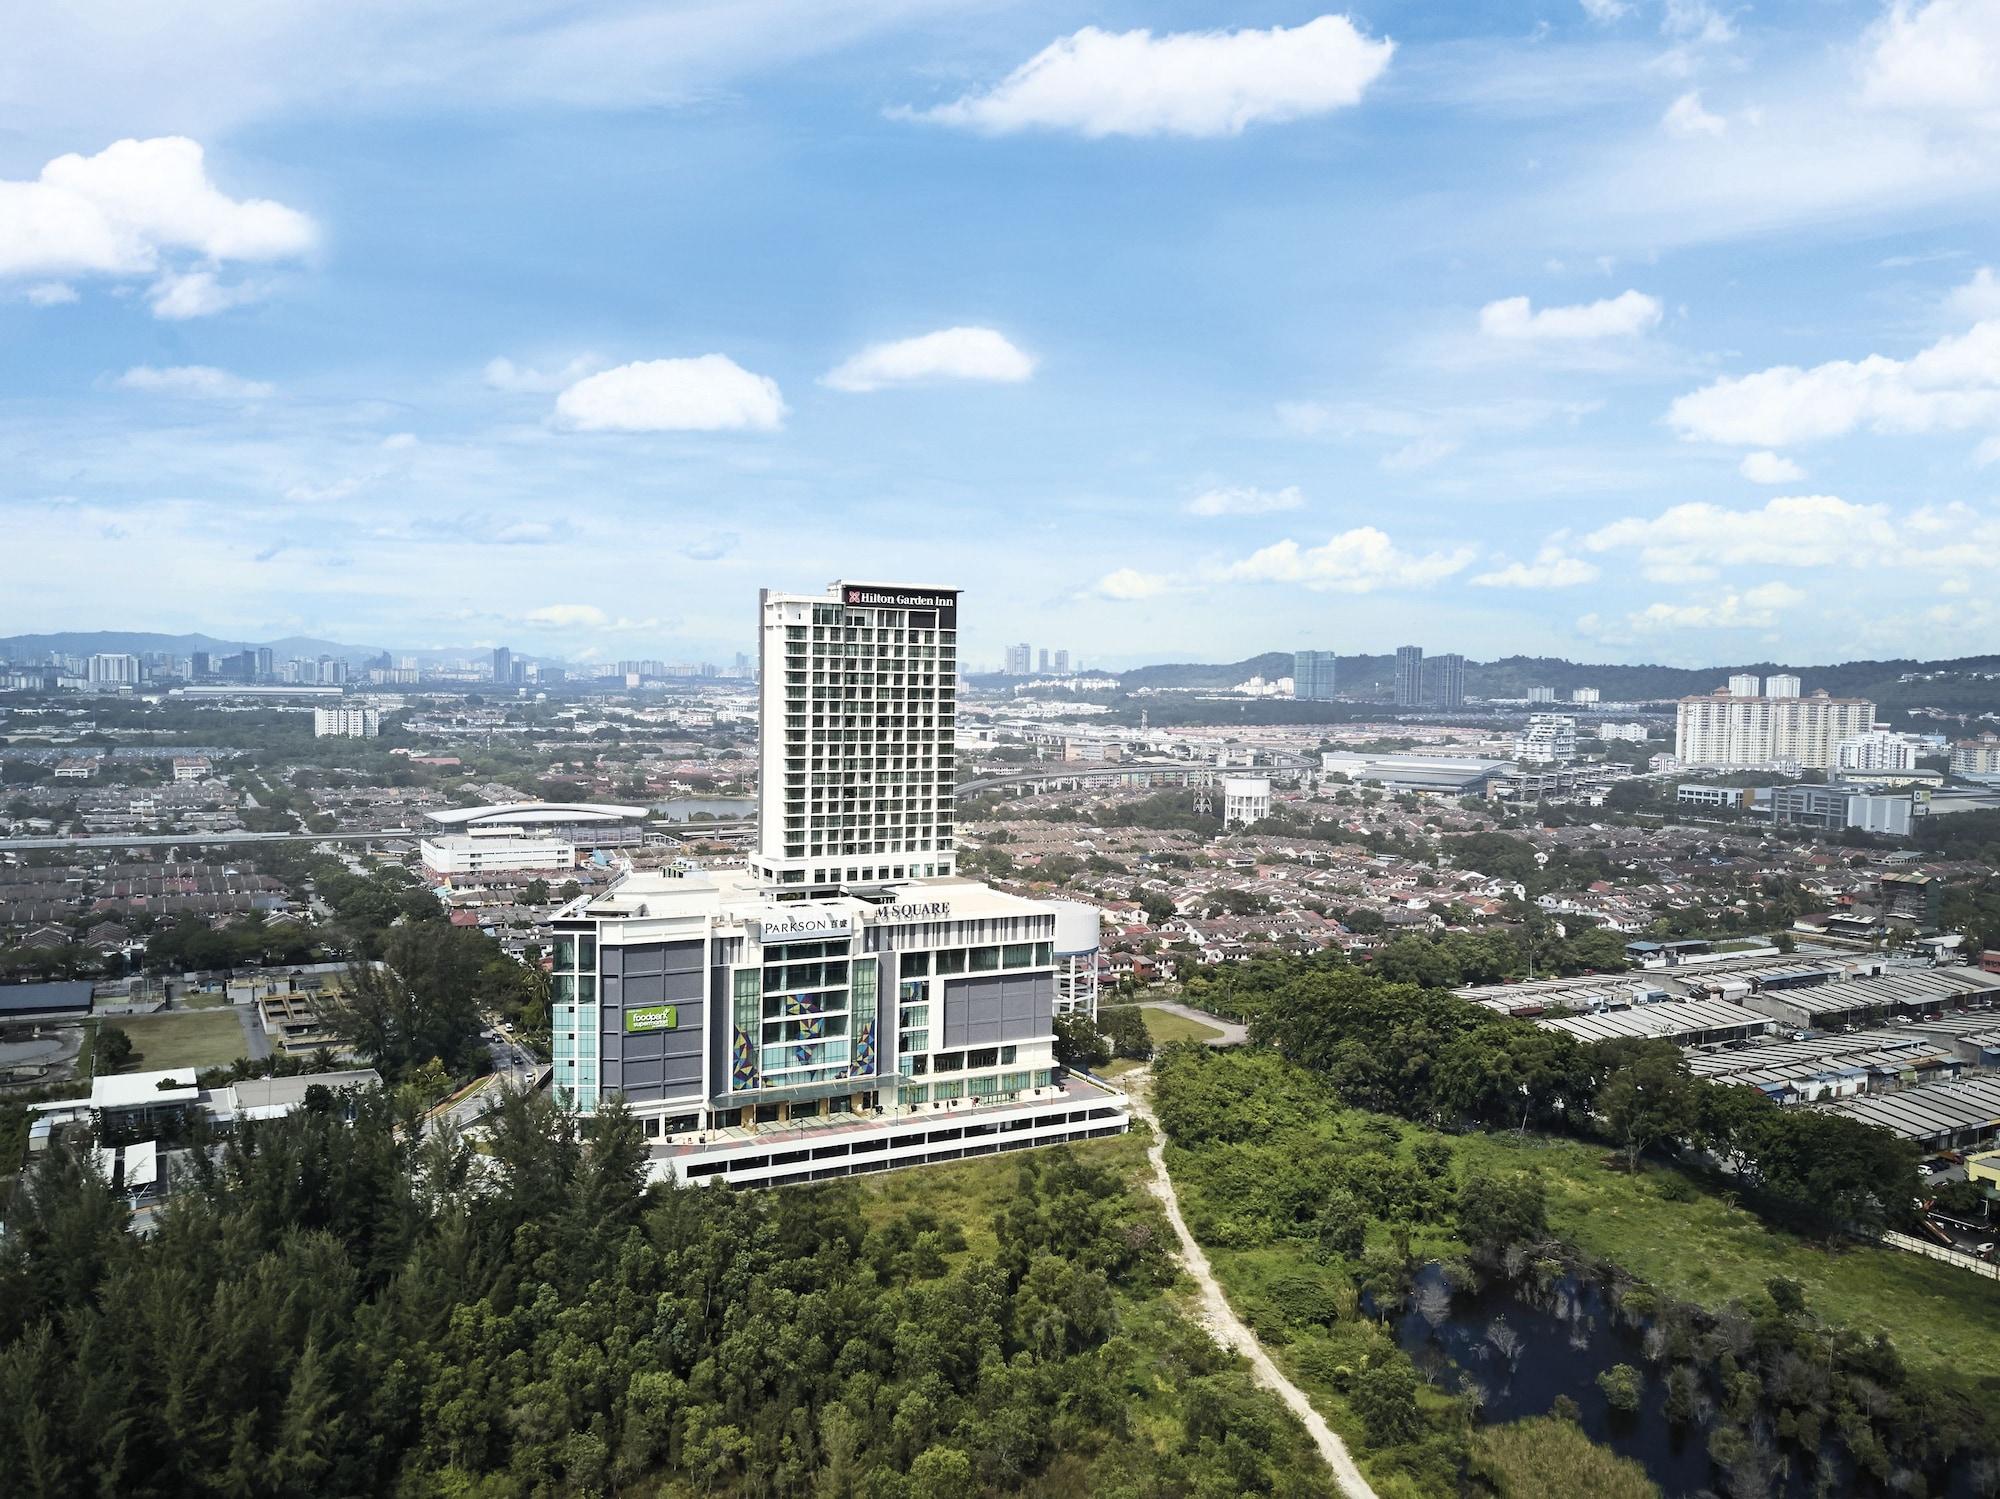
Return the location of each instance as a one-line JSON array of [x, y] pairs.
[[573, 1021]]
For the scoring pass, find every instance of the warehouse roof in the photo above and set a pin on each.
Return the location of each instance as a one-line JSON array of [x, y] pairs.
[[1925, 1114], [1683, 1022]]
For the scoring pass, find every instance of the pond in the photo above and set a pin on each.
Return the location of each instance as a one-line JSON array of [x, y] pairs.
[[1523, 1344], [722, 808]]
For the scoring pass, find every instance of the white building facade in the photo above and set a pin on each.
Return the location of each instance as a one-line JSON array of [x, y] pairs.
[[1548, 739], [346, 723], [1733, 730], [859, 711], [1878, 749]]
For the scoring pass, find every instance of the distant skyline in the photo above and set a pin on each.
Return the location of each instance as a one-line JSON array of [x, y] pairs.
[[1618, 330]]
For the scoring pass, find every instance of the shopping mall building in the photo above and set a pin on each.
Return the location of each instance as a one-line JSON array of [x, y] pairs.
[[845, 1004]]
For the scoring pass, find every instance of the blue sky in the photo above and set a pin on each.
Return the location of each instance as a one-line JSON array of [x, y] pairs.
[[1623, 331]]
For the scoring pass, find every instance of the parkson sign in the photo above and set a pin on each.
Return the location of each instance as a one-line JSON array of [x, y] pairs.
[[652, 1018]]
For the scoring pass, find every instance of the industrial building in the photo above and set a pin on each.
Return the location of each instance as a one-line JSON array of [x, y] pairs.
[[1442, 775]]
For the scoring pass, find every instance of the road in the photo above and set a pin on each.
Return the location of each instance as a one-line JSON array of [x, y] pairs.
[[1223, 1324], [513, 1066], [190, 840]]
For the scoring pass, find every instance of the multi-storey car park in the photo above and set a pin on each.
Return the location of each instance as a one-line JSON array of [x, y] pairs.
[[846, 1003]]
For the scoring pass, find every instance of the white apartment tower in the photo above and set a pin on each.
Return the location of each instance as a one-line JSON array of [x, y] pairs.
[[1747, 684], [1878, 749], [859, 699], [346, 723], [1549, 739], [1782, 685], [1727, 728]]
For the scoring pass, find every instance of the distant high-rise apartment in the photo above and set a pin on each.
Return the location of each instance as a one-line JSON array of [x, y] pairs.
[[1731, 728], [1018, 657], [1744, 684], [112, 669], [1062, 663], [1448, 680], [200, 664], [1782, 685], [1409, 676], [346, 723], [1314, 676], [266, 664], [1044, 666], [1878, 749], [1549, 739], [1586, 695], [1976, 757], [503, 664], [860, 783], [1541, 694]]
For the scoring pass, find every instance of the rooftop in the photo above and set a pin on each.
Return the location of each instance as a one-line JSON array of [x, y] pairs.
[[535, 814]]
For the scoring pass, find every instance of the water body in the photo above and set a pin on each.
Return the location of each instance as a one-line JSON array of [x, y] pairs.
[[1525, 1345], [720, 808]]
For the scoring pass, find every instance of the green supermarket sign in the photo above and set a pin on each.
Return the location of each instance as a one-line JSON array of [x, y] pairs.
[[652, 1018]]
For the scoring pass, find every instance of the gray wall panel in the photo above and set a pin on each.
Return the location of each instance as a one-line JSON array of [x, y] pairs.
[[647, 1066], [996, 1008]]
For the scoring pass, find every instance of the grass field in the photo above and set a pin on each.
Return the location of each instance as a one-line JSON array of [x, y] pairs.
[[1710, 1251], [1163, 1027], [188, 1038]]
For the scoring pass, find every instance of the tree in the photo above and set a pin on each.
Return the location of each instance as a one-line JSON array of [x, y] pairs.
[[111, 1049], [1622, 1386], [1078, 1043], [1648, 1099]]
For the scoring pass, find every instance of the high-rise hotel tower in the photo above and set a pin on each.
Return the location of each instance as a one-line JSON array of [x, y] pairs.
[[846, 1003], [860, 701]]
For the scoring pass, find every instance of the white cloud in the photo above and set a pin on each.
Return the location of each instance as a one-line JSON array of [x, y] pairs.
[[1978, 299], [1697, 22], [1623, 316], [503, 374], [198, 382], [143, 208], [399, 441], [1690, 542], [711, 393], [50, 293], [1685, 116], [1952, 385], [178, 296], [1770, 468], [1357, 561], [1938, 58], [1101, 83], [1752, 609], [1245, 500], [1129, 585], [948, 354], [568, 617], [1605, 11], [1552, 568]]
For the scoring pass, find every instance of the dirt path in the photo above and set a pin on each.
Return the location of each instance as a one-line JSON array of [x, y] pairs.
[[1223, 1324]]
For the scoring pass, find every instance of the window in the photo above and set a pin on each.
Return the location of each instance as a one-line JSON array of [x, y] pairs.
[[951, 1061], [1018, 955], [984, 1056], [985, 959], [951, 961]]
